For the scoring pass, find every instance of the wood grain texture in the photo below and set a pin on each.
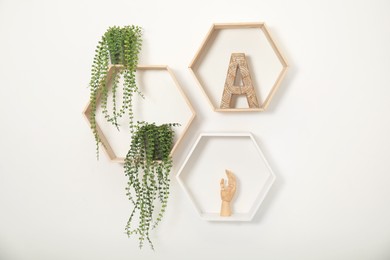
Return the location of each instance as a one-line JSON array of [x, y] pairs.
[[238, 64], [111, 71], [205, 46], [227, 193]]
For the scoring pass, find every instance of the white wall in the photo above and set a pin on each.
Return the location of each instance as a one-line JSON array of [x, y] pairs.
[[326, 134]]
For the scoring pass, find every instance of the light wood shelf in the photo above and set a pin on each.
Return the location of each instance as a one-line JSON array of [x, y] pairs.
[[112, 155], [209, 41]]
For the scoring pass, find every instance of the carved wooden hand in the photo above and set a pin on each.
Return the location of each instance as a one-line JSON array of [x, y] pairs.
[[227, 193]]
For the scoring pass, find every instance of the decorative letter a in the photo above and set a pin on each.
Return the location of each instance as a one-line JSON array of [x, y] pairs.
[[238, 64]]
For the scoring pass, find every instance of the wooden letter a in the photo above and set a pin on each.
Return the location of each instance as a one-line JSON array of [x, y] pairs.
[[238, 64]]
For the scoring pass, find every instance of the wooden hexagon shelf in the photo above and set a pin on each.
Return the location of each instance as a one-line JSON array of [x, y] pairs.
[[205, 165], [266, 63], [107, 146]]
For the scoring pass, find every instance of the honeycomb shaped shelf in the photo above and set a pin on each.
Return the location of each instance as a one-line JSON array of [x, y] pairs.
[[156, 82], [205, 165], [266, 64]]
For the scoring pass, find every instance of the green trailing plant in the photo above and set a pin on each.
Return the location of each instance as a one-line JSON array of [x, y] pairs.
[[147, 165], [148, 161], [118, 46]]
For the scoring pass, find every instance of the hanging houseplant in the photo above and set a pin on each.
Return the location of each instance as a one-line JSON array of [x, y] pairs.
[[119, 48], [148, 162], [147, 165]]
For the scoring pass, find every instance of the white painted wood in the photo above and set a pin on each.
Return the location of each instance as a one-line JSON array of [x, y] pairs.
[[198, 183]]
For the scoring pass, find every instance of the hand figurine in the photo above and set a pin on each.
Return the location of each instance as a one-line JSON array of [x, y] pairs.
[[227, 194]]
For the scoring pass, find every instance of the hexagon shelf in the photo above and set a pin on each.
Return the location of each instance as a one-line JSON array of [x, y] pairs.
[[205, 165], [265, 65], [163, 80]]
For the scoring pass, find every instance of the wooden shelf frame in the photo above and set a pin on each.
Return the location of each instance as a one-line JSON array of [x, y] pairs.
[[208, 40], [111, 71], [262, 190]]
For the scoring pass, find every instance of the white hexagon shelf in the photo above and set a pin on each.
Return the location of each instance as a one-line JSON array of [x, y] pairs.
[[266, 64], [163, 97], [205, 166]]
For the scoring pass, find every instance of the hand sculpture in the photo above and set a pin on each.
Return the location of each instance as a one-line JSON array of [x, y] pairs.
[[227, 194]]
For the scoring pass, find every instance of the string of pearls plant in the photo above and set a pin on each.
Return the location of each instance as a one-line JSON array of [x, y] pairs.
[[118, 46], [147, 165], [148, 161]]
